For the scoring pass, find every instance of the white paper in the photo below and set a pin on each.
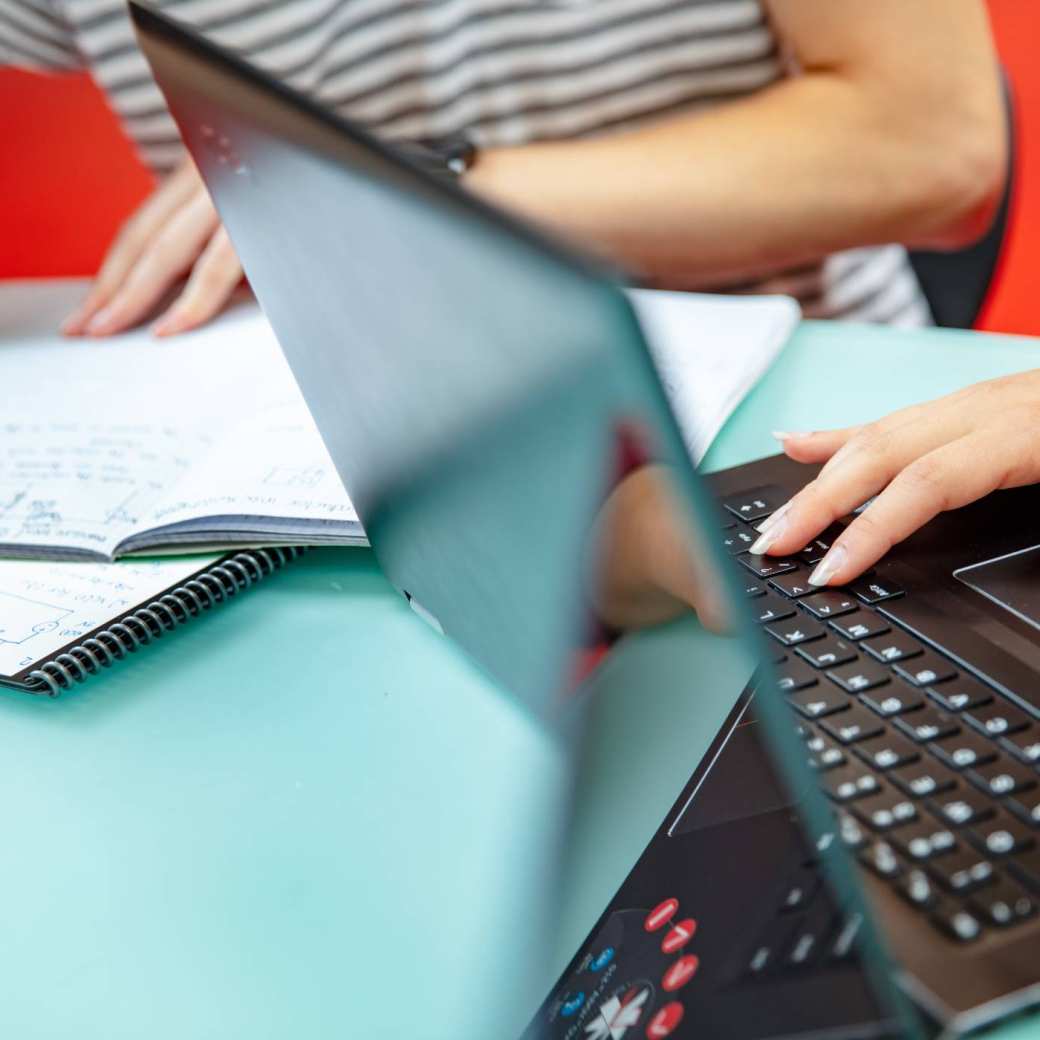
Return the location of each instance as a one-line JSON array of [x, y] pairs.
[[710, 351], [45, 606]]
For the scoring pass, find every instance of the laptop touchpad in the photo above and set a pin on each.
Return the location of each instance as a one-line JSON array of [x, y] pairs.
[[1012, 582]]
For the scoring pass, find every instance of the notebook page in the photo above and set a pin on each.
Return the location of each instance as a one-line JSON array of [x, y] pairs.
[[710, 350], [47, 606], [180, 396]]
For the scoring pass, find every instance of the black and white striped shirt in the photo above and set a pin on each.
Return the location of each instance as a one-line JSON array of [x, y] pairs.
[[503, 71]]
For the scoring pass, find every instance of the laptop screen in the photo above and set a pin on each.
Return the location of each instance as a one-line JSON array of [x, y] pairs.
[[493, 412]]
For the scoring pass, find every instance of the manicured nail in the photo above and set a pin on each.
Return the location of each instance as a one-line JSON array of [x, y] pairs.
[[769, 538], [99, 323], [783, 435], [829, 565], [774, 517]]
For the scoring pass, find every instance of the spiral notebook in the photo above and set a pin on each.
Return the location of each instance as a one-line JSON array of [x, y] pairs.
[[60, 623]]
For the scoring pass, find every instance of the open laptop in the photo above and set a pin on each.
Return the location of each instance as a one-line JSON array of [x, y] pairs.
[[470, 378]]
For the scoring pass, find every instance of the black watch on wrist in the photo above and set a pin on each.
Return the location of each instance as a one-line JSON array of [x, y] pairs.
[[444, 156]]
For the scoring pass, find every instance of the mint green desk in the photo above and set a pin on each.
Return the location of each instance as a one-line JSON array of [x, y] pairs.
[[256, 828]]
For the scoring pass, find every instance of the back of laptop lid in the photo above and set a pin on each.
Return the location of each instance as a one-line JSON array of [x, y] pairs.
[[473, 385]]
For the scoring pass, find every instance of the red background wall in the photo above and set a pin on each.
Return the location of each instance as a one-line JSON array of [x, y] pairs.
[[67, 175]]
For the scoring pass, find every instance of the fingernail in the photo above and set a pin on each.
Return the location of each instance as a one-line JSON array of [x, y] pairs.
[[783, 435], [71, 323], [769, 538], [829, 565], [774, 518], [100, 321]]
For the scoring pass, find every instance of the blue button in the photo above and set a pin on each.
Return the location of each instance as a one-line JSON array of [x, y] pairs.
[[602, 959], [571, 1004]]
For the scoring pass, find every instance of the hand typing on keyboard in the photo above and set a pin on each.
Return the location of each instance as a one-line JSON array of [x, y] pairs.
[[918, 462]]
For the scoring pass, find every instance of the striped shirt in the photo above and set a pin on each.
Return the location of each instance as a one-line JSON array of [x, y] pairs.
[[501, 71]]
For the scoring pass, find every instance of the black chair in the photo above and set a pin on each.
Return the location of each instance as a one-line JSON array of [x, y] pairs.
[[955, 283]]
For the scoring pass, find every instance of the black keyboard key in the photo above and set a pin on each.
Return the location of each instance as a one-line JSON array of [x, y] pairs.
[[771, 607], [1026, 868], [962, 871], [924, 841], [962, 808], [794, 674], [851, 833], [880, 857], [820, 545], [963, 751], [792, 584], [961, 693], [956, 923], [753, 590], [1024, 746], [738, 541], [770, 946], [998, 719], [893, 699], [927, 669], [885, 812], [872, 589], [844, 944], [853, 725], [848, 784], [1004, 904], [1026, 806], [757, 503], [861, 625], [926, 724], [796, 630], [1002, 836], [1003, 778], [824, 754], [819, 701], [923, 780], [896, 646], [766, 566], [829, 604], [889, 751], [801, 890], [827, 653], [810, 937], [859, 676], [917, 889]]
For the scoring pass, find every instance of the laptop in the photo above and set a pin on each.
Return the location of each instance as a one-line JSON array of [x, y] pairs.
[[856, 855]]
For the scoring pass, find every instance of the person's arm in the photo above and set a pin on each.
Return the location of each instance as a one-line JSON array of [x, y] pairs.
[[893, 132]]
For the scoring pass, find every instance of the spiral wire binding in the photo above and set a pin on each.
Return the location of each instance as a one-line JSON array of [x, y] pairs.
[[141, 625]]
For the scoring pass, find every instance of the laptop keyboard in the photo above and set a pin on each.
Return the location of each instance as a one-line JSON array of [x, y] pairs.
[[935, 775]]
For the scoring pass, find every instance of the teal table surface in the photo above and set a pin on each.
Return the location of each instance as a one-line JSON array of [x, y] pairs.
[[279, 822]]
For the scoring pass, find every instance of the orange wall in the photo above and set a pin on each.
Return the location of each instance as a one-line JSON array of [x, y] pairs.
[[68, 176]]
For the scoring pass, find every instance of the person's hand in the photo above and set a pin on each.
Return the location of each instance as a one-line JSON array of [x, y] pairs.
[[646, 566], [918, 462], [176, 230]]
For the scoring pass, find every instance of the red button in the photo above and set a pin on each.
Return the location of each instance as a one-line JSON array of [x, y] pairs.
[[661, 915], [680, 973], [664, 1022], [679, 935]]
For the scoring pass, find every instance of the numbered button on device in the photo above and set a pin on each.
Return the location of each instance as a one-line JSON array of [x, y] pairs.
[[961, 807], [923, 779], [962, 871], [886, 752], [828, 652], [1003, 778], [895, 698], [963, 751], [756, 504], [1001, 836], [924, 841]]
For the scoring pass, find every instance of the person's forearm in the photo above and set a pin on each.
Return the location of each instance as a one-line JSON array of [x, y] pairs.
[[810, 166]]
